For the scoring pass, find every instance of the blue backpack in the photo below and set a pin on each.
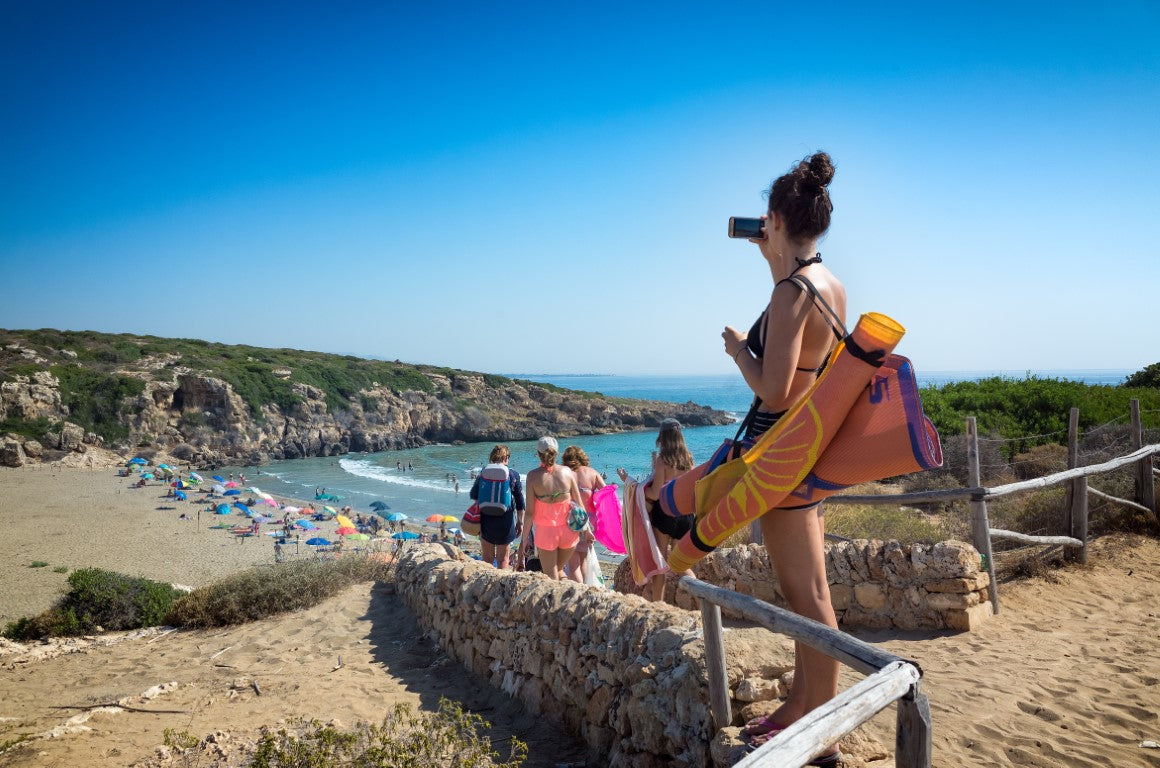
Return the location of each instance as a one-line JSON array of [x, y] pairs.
[[495, 490]]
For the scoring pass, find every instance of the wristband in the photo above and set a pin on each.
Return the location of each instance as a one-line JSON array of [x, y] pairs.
[[738, 352]]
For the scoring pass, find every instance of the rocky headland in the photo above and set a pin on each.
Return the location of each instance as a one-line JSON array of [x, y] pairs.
[[62, 392]]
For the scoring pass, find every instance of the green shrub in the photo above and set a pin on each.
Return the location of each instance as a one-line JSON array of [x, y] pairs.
[[98, 598], [60, 569], [1145, 377], [450, 737], [267, 590], [33, 428], [877, 521], [37, 564], [95, 399]]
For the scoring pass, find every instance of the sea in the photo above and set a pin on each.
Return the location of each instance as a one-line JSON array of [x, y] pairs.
[[420, 482]]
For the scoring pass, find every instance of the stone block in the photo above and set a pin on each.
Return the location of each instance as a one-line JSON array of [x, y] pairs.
[[757, 689], [943, 601], [840, 596], [962, 586], [969, 619], [871, 597], [952, 560]]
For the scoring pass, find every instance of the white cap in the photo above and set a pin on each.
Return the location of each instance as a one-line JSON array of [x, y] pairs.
[[547, 443]]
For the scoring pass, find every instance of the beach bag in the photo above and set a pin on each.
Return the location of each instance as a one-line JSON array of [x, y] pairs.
[[470, 522], [577, 518], [494, 493], [677, 497]]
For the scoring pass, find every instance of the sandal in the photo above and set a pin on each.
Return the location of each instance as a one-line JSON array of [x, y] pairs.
[[827, 761], [760, 730]]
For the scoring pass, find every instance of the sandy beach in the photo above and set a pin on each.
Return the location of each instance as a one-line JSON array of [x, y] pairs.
[[1066, 675]]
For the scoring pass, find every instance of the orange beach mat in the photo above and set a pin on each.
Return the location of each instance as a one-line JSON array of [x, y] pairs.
[[790, 464]]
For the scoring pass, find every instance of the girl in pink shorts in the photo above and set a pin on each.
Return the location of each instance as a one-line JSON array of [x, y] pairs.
[[553, 490]]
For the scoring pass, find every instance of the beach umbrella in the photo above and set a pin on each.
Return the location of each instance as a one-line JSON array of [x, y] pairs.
[[453, 531], [450, 519], [395, 517], [138, 460], [347, 530], [358, 537], [232, 484], [232, 492], [318, 541], [262, 519], [344, 521], [271, 502], [306, 525], [379, 506], [222, 509], [196, 477], [219, 478], [218, 489], [405, 535], [435, 518], [146, 475], [331, 510], [163, 465], [241, 507], [180, 495], [291, 510]]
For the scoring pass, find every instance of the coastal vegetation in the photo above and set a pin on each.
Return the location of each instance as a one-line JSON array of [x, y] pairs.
[[264, 591], [451, 736], [99, 600]]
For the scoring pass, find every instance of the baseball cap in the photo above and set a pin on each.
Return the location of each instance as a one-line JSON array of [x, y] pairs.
[[547, 443]]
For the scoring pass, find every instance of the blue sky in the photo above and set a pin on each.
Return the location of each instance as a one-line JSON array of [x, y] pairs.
[[545, 188]]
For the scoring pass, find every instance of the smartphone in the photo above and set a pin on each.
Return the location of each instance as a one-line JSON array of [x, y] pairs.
[[745, 228]]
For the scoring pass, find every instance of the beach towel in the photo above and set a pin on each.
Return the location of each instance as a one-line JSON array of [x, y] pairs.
[[607, 518], [776, 472], [644, 555]]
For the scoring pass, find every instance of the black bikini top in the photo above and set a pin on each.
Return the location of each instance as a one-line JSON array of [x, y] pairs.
[[756, 338]]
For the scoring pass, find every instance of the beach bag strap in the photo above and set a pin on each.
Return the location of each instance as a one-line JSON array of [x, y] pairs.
[[828, 314]]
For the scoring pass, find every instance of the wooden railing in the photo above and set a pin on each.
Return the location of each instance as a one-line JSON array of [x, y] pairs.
[[890, 679], [1075, 476]]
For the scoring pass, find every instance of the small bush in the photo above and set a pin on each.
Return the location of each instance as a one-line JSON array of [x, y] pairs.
[[60, 569], [403, 740], [1040, 460], [37, 564], [99, 599], [866, 521], [268, 590]]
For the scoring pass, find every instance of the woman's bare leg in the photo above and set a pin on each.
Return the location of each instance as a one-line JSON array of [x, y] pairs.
[[576, 568], [562, 557], [794, 540], [487, 552], [501, 555]]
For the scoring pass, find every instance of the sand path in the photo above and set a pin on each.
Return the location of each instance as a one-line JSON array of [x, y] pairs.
[[1067, 676]]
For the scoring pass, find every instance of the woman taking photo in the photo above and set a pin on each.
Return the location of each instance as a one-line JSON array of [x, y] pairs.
[[780, 357], [552, 489]]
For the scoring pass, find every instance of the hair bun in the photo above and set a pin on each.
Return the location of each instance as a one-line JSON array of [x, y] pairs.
[[821, 168]]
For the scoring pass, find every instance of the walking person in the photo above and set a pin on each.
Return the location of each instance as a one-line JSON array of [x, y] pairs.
[[500, 496], [589, 481], [669, 461], [552, 492]]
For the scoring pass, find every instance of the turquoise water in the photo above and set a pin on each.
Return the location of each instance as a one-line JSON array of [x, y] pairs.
[[425, 489]]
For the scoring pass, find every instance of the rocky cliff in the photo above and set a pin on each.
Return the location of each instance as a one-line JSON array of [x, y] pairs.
[[161, 400]]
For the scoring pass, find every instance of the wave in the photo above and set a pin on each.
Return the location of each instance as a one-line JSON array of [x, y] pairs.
[[372, 471]]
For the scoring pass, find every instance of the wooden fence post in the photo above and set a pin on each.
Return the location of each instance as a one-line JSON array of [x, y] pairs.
[[715, 663], [980, 526], [912, 737], [1077, 509], [1145, 482]]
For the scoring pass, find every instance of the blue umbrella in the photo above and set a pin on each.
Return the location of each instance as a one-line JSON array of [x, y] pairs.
[[232, 492], [379, 506], [222, 509], [306, 525], [405, 535], [180, 495], [241, 507], [219, 478], [318, 541], [395, 517], [137, 460]]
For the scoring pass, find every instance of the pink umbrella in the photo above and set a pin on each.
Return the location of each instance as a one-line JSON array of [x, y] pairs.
[[346, 530], [271, 502]]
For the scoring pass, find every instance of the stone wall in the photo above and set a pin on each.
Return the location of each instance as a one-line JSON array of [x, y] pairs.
[[873, 584], [627, 676]]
